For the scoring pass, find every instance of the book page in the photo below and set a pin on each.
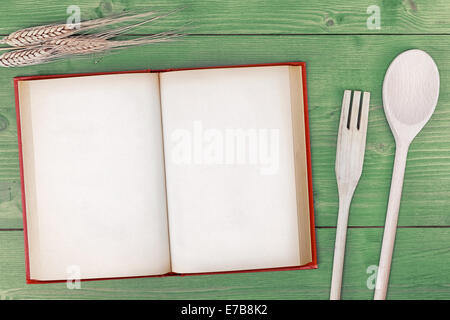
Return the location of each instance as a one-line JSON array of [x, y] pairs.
[[230, 173], [94, 177]]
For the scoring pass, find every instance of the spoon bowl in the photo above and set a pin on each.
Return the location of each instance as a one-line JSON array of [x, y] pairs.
[[410, 95]]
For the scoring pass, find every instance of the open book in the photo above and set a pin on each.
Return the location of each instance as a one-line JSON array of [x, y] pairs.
[[149, 173]]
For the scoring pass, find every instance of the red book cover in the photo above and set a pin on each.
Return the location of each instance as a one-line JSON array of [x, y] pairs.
[[312, 265]]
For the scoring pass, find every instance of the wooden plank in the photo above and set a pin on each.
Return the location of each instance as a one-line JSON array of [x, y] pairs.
[[417, 273], [331, 64], [249, 17]]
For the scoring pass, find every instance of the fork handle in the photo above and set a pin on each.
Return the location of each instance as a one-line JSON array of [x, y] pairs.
[[390, 226], [339, 249]]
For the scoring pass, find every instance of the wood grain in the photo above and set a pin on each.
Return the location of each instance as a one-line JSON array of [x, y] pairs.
[[418, 272], [250, 17], [341, 53], [427, 180]]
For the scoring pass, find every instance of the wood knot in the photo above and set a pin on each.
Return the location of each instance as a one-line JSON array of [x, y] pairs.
[[4, 123], [329, 22]]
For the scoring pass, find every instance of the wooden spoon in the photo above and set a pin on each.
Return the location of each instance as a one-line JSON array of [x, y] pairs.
[[410, 95]]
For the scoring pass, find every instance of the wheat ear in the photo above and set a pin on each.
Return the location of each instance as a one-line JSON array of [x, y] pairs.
[[25, 57]]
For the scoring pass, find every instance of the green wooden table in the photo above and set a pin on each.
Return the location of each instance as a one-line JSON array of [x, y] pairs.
[[342, 51]]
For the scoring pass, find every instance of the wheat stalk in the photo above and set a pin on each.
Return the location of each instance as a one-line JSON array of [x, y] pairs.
[[40, 34], [79, 45], [46, 43]]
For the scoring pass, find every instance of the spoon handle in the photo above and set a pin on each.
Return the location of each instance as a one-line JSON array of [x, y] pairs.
[[390, 226]]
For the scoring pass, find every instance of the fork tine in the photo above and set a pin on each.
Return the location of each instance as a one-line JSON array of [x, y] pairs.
[[355, 110], [345, 109], [364, 112]]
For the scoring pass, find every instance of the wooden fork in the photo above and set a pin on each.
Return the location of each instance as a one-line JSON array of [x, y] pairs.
[[351, 144]]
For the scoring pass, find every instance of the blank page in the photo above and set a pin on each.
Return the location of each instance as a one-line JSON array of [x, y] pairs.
[[230, 169], [94, 176]]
